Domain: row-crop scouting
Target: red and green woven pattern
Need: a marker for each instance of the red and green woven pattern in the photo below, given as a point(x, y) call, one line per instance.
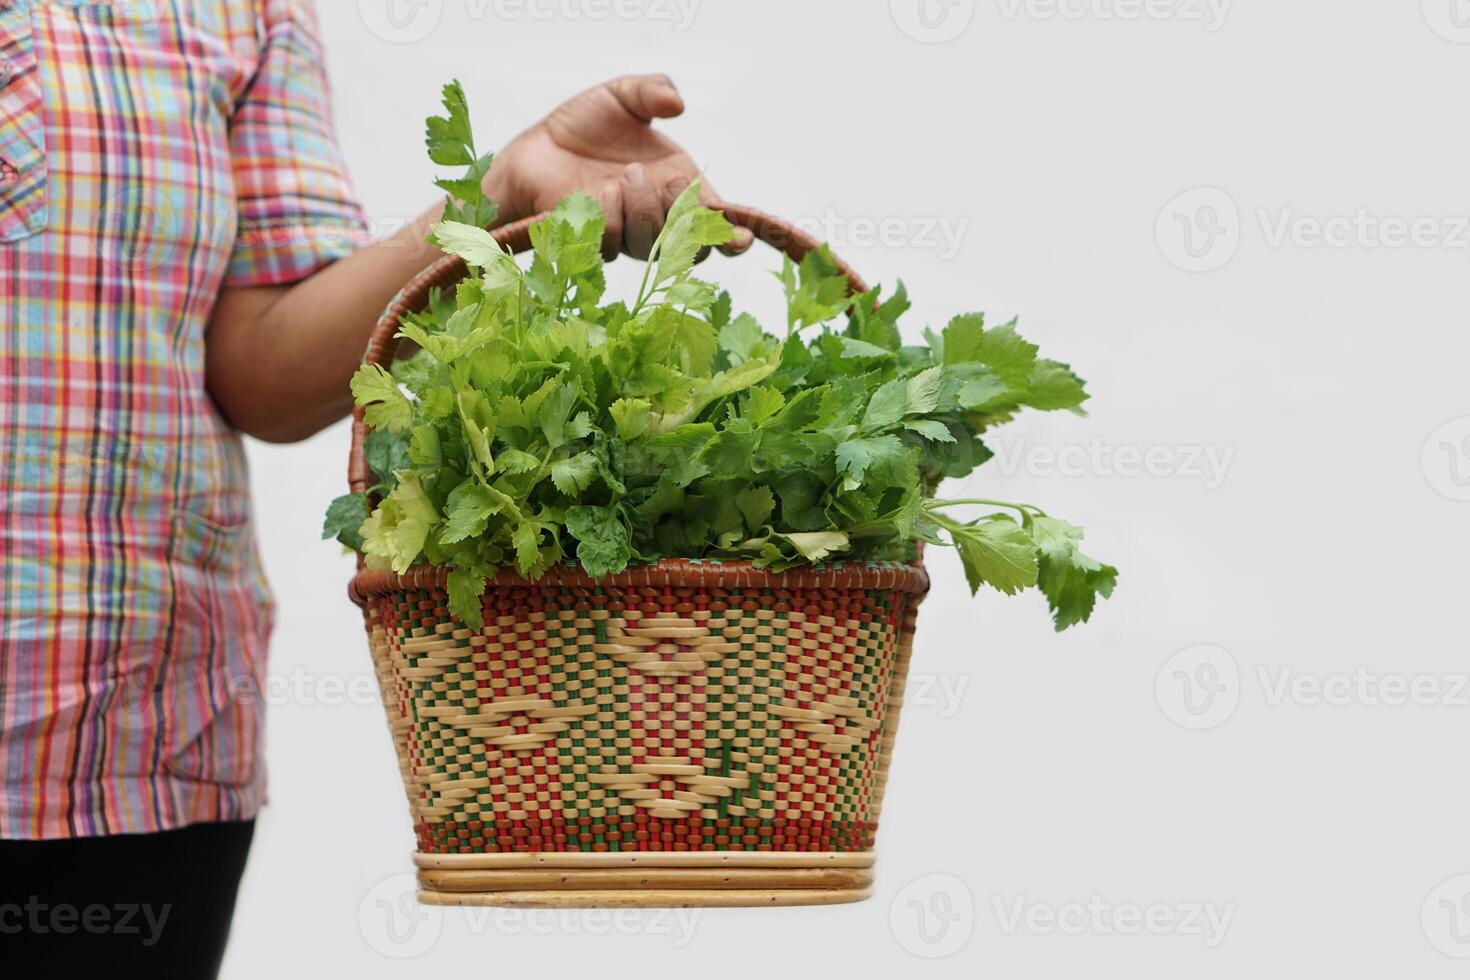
point(658, 717)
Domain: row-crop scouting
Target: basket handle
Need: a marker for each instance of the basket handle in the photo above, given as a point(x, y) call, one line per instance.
point(383, 345)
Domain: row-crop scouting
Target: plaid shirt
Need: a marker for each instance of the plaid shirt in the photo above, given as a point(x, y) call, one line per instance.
point(152, 152)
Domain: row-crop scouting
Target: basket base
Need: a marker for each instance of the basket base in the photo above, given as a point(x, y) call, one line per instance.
point(649, 898)
point(710, 879)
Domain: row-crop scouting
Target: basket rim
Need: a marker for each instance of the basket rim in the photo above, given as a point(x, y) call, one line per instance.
point(912, 579)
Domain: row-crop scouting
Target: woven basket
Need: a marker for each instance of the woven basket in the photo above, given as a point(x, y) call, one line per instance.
point(687, 733)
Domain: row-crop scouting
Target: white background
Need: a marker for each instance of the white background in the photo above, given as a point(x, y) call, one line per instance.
point(1057, 141)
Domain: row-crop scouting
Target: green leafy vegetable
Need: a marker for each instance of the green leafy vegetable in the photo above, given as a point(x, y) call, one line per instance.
point(345, 517)
point(540, 423)
point(451, 143)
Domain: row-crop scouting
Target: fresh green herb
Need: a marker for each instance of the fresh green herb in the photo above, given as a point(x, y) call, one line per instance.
point(539, 423)
point(451, 143)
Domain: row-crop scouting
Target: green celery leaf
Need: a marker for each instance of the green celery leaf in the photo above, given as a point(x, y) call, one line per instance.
point(465, 588)
point(740, 336)
point(1000, 349)
point(387, 406)
point(997, 553)
point(632, 416)
point(345, 518)
point(387, 452)
point(526, 539)
point(475, 245)
point(425, 448)
point(764, 404)
point(555, 414)
point(470, 508)
point(1053, 386)
point(852, 347)
point(680, 450)
point(887, 406)
point(816, 290)
point(931, 429)
point(394, 534)
point(517, 462)
point(449, 137)
point(1071, 580)
point(857, 458)
point(575, 474)
point(728, 454)
point(604, 546)
point(756, 505)
point(818, 546)
point(924, 390)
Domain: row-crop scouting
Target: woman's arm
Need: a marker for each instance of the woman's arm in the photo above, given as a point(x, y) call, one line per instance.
point(278, 359)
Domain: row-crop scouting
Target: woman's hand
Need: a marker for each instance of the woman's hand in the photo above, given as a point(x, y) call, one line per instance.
point(603, 142)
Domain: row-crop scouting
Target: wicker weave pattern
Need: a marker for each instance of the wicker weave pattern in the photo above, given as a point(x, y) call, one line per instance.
point(649, 717)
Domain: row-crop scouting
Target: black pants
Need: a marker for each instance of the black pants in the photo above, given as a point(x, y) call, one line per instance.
point(153, 906)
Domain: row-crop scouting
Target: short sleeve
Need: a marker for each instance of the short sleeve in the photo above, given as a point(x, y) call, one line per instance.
point(297, 209)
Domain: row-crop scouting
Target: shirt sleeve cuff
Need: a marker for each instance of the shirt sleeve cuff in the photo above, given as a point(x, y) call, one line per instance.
point(279, 254)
